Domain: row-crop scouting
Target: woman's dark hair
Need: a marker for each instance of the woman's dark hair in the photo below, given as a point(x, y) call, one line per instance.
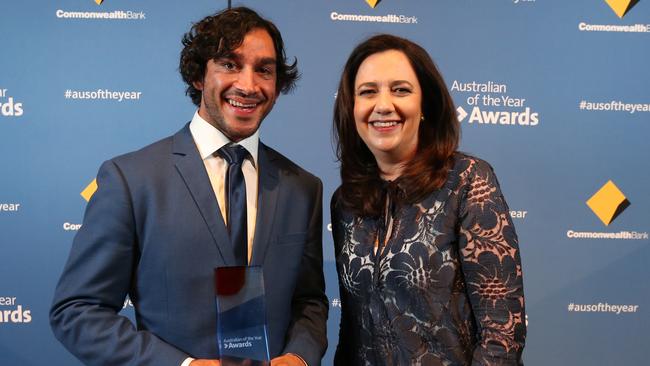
point(362, 188)
point(218, 35)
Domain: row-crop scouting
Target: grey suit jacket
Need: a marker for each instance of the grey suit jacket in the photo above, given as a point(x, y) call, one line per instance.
point(153, 230)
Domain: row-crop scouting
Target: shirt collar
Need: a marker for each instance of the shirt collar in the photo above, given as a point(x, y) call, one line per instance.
point(208, 139)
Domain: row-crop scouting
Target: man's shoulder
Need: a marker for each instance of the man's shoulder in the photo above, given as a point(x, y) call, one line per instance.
point(155, 151)
point(154, 161)
point(286, 166)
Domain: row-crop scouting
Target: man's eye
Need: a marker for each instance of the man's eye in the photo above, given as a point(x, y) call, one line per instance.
point(228, 65)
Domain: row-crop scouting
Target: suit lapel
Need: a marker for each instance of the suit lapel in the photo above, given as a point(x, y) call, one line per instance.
point(191, 168)
point(267, 198)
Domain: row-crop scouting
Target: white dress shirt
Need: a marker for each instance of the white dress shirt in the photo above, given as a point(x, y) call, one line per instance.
point(208, 140)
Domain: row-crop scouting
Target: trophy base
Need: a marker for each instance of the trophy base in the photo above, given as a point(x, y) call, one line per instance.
point(236, 361)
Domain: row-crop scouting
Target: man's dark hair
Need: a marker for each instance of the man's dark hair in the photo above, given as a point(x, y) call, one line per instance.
point(438, 135)
point(218, 35)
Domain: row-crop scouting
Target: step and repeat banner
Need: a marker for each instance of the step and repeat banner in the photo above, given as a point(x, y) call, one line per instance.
point(554, 94)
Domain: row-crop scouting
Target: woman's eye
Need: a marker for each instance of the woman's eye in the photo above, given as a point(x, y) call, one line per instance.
point(366, 92)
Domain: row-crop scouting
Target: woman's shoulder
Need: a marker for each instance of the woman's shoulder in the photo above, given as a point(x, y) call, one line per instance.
point(335, 201)
point(468, 171)
point(337, 209)
point(467, 166)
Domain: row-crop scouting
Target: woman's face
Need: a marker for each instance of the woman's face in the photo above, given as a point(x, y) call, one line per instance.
point(387, 106)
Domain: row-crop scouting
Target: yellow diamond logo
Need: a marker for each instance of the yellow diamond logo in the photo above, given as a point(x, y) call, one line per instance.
point(99, 2)
point(608, 202)
point(88, 192)
point(621, 7)
point(373, 3)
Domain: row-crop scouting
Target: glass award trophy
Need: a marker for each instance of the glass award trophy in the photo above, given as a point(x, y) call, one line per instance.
point(241, 316)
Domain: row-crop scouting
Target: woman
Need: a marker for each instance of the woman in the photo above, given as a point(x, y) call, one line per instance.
point(426, 253)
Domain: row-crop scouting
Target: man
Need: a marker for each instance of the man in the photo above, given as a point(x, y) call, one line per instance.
point(159, 222)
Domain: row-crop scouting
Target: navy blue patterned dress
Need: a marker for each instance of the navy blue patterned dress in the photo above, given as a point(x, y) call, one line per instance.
point(445, 289)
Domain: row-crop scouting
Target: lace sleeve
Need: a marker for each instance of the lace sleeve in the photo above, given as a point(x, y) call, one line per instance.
point(491, 267)
point(343, 352)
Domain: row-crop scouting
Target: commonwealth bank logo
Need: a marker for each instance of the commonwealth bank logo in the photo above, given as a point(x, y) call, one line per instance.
point(621, 7)
point(90, 189)
point(608, 203)
point(374, 3)
point(99, 2)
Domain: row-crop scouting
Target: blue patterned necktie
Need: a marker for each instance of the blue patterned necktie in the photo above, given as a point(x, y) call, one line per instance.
point(236, 201)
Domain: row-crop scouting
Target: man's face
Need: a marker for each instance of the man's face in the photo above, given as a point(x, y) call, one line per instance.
point(239, 89)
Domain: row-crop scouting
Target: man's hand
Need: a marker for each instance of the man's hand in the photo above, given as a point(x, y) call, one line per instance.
point(205, 363)
point(287, 360)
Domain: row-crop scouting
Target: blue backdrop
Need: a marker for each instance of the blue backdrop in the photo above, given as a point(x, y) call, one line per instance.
point(554, 94)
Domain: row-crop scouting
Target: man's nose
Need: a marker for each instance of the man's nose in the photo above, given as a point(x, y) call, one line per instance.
point(246, 81)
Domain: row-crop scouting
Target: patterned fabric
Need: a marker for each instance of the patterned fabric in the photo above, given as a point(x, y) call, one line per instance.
point(446, 289)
